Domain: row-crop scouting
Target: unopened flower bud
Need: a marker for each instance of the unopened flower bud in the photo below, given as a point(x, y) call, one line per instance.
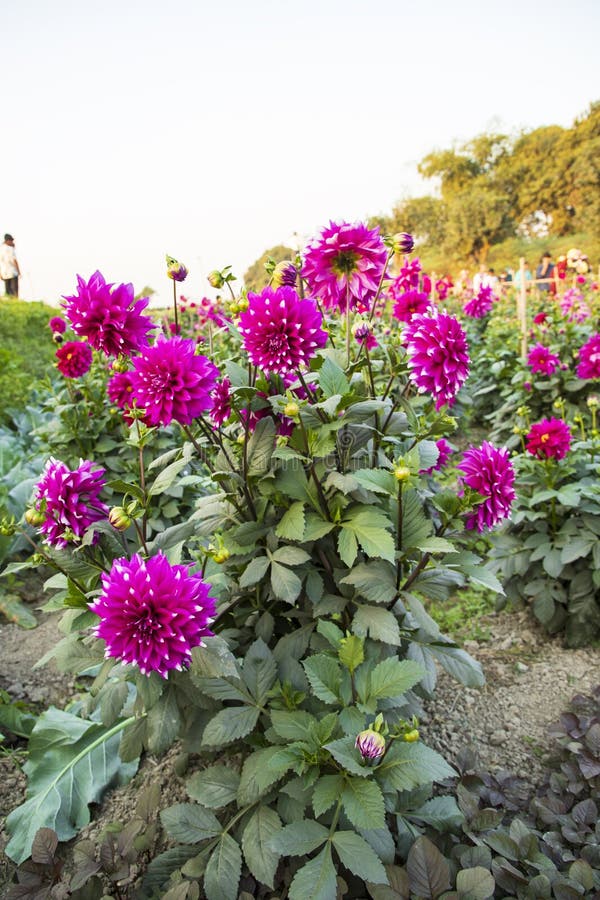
point(593, 401)
point(176, 271)
point(215, 279)
point(243, 304)
point(403, 242)
point(291, 409)
point(401, 472)
point(370, 744)
point(119, 519)
point(8, 526)
point(34, 517)
point(284, 273)
point(57, 337)
point(120, 364)
point(221, 556)
point(411, 736)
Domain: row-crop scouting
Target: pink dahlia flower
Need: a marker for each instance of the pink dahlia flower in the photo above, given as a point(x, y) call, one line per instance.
point(540, 318)
point(221, 397)
point(407, 279)
point(438, 356)
point(120, 389)
point(170, 381)
point(176, 271)
point(589, 358)
point(152, 613)
point(549, 438)
point(57, 325)
point(344, 264)
point(70, 501)
point(410, 303)
point(541, 361)
point(489, 471)
point(280, 332)
point(445, 451)
point(574, 307)
point(108, 316)
point(480, 305)
point(74, 359)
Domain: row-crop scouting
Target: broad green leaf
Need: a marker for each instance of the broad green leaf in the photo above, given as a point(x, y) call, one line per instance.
point(260, 447)
point(575, 549)
point(14, 610)
point(189, 823)
point(213, 660)
point(442, 813)
point(327, 791)
point(229, 725)
point(332, 380)
point(260, 670)
point(416, 526)
point(291, 556)
point(296, 725)
point(70, 763)
point(215, 787)
point(359, 857)
point(114, 694)
point(254, 571)
point(164, 722)
point(330, 631)
point(375, 581)
point(435, 545)
point(406, 766)
point(347, 546)
point(299, 838)
point(260, 858)
point(363, 803)
point(165, 479)
point(380, 624)
point(393, 677)
point(291, 526)
point(345, 753)
point(160, 868)
point(477, 882)
point(285, 584)
point(316, 880)
point(316, 527)
point(459, 664)
point(380, 481)
point(222, 875)
point(325, 676)
point(482, 575)
point(16, 720)
point(257, 777)
point(351, 652)
point(369, 526)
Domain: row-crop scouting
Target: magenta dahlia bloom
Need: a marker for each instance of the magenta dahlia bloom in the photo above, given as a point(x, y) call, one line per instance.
point(574, 307)
point(57, 325)
point(541, 361)
point(445, 451)
point(176, 271)
point(152, 614)
point(120, 389)
point(488, 471)
point(74, 359)
point(410, 303)
point(108, 316)
point(589, 359)
point(549, 438)
point(344, 264)
point(70, 501)
point(407, 279)
point(221, 397)
point(363, 333)
point(438, 355)
point(480, 305)
point(170, 381)
point(280, 332)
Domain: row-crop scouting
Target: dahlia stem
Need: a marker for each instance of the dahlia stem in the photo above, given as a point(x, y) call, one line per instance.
point(52, 562)
point(387, 262)
point(175, 307)
point(370, 369)
point(347, 325)
point(399, 525)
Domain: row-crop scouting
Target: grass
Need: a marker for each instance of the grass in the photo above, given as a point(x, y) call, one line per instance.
point(461, 615)
point(26, 351)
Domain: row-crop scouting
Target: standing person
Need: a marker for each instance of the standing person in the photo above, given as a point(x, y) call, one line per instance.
point(544, 274)
point(9, 266)
point(517, 276)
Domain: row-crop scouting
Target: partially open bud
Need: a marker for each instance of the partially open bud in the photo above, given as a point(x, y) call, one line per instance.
point(35, 517)
point(291, 409)
point(371, 744)
point(176, 270)
point(593, 401)
point(403, 242)
point(215, 279)
point(57, 337)
point(119, 519)
point(284, 273)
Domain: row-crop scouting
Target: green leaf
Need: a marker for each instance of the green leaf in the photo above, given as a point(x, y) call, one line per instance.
point(16, 720)
point(14, 610)
point(375, 581)
point(369, 526)
point(347, 546)
point(164, 721)
point(380, 624)
point(316, 527)
point(325, 677)
point(351, 652)
point(291, 526)
point(327, 790)
point(299, 838)
point(407, 766)
point(435, 545)
point(224, 868)
point(229, 725)
point(296, 725)
point(442, 813)
point(260, 670)
point(393, 677)
point(330, 631)
point(482, 575)
point(114, 695)
point(416, 526)
point(215, 787)
point(363, 803)
point(213, 660)
point(257, 777)
point(189, 823)
point(428, 871)
point(477, 882)
point(254, 571)
point(260, 858)
point(161, 867)
point(380, 481)
point(576, 548)
point(260, 447)
point(165, 479)
point(332, 380)
point(459, 664)
point(285, 584)
point(71, 761)
point(345, 753)
point(359, 857)
point(316, 880)
point(291, 556)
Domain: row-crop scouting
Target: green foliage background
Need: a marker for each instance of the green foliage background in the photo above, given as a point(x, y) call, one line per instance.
point(26, 352)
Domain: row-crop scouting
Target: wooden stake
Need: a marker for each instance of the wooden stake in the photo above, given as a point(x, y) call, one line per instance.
point(522, 308)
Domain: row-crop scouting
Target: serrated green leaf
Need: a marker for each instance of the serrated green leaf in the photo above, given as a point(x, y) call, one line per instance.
point(442, 813)
point(316, 880)
point(163, 722)
point(332, 380)
point(291, 556)
point(14, 610)
point(299, 838)
point(260, 857)
point(229, 725)
point(291, 526)
point(215, 787)
point(296, 725)
point(189, 823)
point(359, 857)
point(481, 575)
point(325, 677)
point(375, 581)
point(393, 677)
point(346, 754)
point(330, 631)
point(363, 803)
point(260, 670)
point(380, 481)
point(327, 790)
point(254, 571)
point(459, 664)
point(369, 526)
point(347, 545)
point(165, 479)
point(435, 545)
point(351, 652)
point(260, 447)
point(406, 766)
point(285, 584)
point(380, 624)
point(257, 777)
point(222, 875)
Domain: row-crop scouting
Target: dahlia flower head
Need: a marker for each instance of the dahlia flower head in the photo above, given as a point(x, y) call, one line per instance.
point(74, 359)
point(57, 325)
point(171, 382)
point(221, 400)
point(589, 359)
point(445, 451)
point(363, 334)
point(345, 264)
point(279, 331)
point(152, 614)
point(407, 279)
point(108, 316)
point(549, 439)
point(69, 500)
point(574, 307)
point(438, 356)
point(541, 361)
point(480, 305)
point(410, 303)
point(176, 271)
point(489, 471)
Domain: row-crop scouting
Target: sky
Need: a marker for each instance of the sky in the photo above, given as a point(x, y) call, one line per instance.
point(212, 131)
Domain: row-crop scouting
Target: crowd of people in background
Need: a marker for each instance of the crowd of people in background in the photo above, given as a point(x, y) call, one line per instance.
point(546, 278)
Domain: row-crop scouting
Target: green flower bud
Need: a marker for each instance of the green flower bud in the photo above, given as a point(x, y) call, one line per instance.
point(35, 517)
point(291, 410)
point(215, 279)
point(119, 519)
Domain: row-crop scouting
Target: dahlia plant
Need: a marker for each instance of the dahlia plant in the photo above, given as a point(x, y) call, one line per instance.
point(278, 626)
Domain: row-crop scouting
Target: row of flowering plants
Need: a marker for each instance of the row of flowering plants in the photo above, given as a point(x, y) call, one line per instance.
point(276, 626)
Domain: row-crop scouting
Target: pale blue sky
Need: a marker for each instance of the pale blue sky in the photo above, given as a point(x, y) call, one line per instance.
point(211, 131)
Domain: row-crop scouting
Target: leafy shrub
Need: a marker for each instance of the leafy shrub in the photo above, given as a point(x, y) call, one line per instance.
point(26, 353)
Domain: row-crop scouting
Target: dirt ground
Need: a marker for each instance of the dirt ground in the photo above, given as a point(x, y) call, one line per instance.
point(530, 680)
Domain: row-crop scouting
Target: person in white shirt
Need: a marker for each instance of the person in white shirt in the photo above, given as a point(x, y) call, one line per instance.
point(9, 266)
point(481, 279)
